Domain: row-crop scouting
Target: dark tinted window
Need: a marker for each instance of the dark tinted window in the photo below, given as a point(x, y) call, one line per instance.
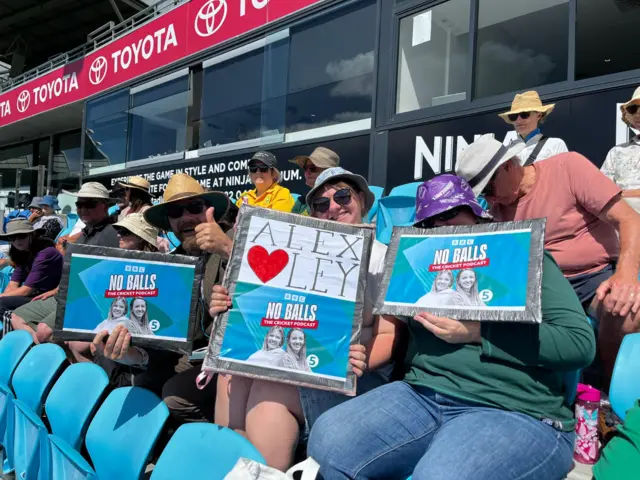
point(106, 133)
point(331, 68)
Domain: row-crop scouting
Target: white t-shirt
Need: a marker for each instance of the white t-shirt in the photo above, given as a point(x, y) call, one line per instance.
point(553, 146)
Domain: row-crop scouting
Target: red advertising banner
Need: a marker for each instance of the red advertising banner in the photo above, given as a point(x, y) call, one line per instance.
point(180, 33)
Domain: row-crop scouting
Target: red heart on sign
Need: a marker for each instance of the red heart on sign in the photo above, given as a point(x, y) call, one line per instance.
point(267, 266)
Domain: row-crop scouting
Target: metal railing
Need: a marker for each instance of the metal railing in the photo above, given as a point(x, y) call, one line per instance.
point(94, 43)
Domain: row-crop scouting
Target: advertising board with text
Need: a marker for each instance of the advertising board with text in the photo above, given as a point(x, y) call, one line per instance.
point(297, 288)
point(489, 272)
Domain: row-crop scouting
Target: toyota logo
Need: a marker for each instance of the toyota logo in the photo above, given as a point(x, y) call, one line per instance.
point(210, 17)
point(24, 99)
point(98, 70)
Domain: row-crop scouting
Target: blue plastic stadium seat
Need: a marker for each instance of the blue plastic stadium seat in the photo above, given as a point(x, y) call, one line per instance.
point(406, 190)
point(203, 451)
point(119, 440)
point(377, 193)
point(31, 382)
point(398, 211)
point(625, 381)
point(13, 347)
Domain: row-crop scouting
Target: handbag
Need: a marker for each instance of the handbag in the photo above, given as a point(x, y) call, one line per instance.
point(246, 469)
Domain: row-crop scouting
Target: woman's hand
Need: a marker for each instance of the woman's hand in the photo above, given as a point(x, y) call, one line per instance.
point(117, 346)
point(358, 359)
point(220, 300)
point(449, 330)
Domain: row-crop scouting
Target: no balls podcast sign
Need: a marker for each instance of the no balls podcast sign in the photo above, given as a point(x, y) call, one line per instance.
point(296, 288)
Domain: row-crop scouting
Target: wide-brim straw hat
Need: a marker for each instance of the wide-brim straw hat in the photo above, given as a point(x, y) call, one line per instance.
point(138, 183)
point(527, 102)
point(321, 157)
point(336, 174)
point(94, 191)
point(19, 226)
point(136, 224)
point(482, 158)
point(635, 100)
point(181, 187)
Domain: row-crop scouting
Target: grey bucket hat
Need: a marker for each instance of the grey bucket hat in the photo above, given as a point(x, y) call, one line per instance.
point(19, 226)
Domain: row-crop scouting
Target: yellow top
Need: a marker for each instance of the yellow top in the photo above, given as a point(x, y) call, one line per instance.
point(276, 197)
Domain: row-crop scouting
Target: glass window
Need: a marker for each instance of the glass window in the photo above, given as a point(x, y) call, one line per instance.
point(158, 117)
point(66, 156)
point(106, 130)
point(18, 156)
point(521, 44)
point(331, 68)
point(433, 50)
point(243, 97)
point(606, 37)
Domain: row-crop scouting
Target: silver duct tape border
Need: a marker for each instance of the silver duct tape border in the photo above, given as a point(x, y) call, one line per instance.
point(532, 312)
point(213, 362)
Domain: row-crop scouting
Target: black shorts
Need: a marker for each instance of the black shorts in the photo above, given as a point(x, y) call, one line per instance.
point(586, 285)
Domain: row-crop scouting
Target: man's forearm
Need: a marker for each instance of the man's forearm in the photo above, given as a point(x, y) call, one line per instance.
point(635, 193)
point(629, 260)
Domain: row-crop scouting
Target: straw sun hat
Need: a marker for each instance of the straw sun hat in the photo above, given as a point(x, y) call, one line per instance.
point(136, 224)
point(635, 100)
point(527, 102)
point(138, 183)
point(181, 187)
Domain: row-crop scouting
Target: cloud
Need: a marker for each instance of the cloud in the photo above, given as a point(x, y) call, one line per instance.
point(523, 62)
point(352, 76)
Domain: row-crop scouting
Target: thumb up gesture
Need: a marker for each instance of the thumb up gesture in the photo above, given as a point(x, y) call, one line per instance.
point(210, 237)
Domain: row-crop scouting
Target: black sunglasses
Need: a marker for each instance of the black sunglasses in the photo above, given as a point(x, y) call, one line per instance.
point(311, 168)
point(441, 217)
point(123, 232)
point(88, 204)
point(18, 236)
point(176, 211)
point(342, 197)
point(259, 168)
point(514, 116)
point(632, 109)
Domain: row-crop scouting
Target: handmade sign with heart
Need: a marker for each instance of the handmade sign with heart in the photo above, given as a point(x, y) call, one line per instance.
point(265, 265)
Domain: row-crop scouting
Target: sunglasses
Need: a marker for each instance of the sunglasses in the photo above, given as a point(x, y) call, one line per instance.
point(514, 116)
point(88, 204)
point(259, 168)
point(341, 197)
point(18, 236)
point(441, 217)
point(176, 211)
point(311, 168)
point(123, 232)
point(632, 109)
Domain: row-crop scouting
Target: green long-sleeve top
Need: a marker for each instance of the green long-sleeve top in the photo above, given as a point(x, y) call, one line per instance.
point(517, 367)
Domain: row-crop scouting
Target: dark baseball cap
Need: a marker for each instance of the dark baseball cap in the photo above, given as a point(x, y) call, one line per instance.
point(268, 158)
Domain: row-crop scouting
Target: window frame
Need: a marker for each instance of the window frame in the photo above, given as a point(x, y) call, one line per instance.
point(387, 117)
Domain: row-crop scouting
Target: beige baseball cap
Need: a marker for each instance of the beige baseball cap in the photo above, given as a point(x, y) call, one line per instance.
point(322, 157)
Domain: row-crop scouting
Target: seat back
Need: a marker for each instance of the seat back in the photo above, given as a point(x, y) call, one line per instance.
point(203, 451)
point(36, 373)
point(295, 196)
point(74, 399)
point(377, 193)
point(625, 381)
point(406, 190)
point(124, 431)
point(13, 347)
point(398, 211)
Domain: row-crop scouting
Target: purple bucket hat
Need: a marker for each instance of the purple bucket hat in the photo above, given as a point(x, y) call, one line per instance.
point(443, 193)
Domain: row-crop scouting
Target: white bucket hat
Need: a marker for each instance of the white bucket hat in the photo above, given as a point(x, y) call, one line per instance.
point(92, 190)
point(336, 174)
point(136, 224)
point(482, 158)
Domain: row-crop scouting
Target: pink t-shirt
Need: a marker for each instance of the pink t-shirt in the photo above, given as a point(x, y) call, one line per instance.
point(571, 192)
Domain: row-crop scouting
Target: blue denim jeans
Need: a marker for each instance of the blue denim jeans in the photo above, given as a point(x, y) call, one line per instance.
point(397, 430)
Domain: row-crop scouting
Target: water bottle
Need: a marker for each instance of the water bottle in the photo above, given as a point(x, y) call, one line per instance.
point(587, 449)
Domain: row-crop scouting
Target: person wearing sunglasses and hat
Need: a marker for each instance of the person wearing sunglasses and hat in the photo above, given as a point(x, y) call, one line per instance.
point(134, 196)
point(256, 406)
point(592, 233)
point(51, 223)
point(526, 114)
point(38, 265)
point(622, 164)
point(203, 222)
point(313, 165)
point(480, 400)
point(264, 174)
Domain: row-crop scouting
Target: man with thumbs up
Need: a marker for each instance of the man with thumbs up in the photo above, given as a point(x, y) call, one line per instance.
point(200, 220)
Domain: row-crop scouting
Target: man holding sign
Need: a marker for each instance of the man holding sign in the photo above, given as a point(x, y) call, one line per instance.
point(480, 400)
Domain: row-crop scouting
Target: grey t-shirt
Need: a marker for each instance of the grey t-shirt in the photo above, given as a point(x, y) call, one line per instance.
point(103, 235)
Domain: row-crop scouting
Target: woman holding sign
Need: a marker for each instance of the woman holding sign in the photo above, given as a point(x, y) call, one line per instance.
point(274, 416)
point(480, 400)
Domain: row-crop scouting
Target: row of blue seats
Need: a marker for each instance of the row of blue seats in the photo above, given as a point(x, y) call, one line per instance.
point(119, 431)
